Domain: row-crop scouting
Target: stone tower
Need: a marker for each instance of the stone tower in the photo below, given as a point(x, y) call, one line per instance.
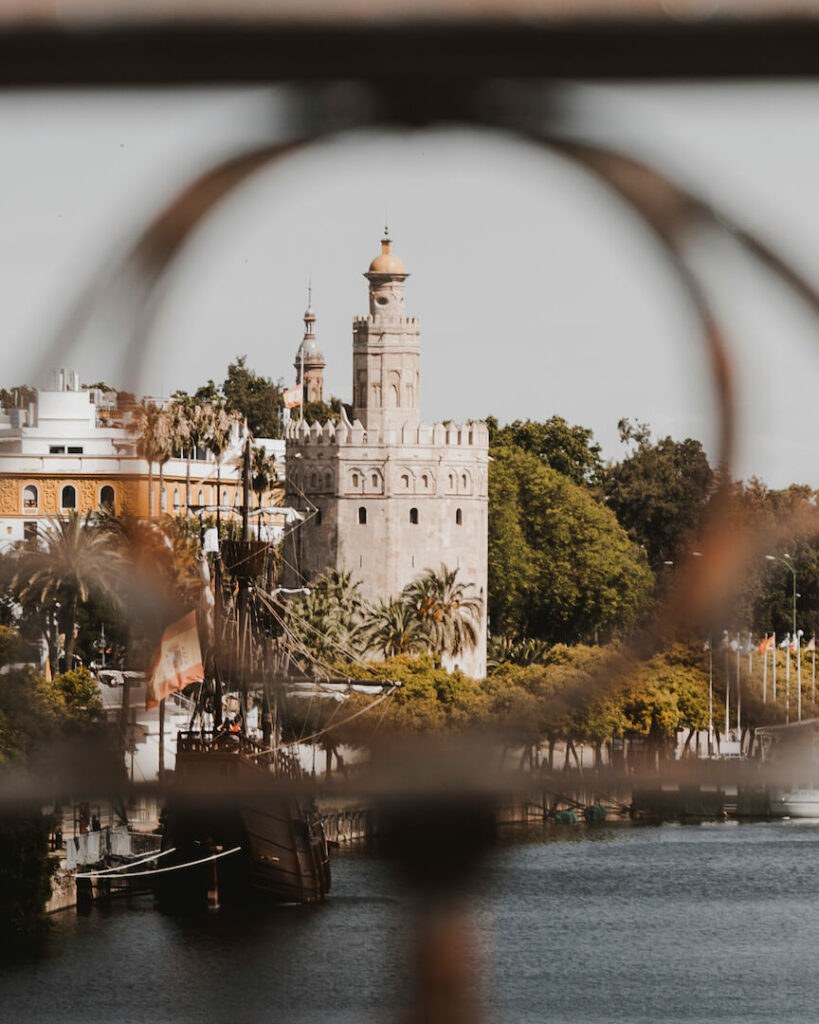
point(310, 357)
point(385, 496)
point(386, 350)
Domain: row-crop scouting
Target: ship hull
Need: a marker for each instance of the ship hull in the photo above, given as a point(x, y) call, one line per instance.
point(223, 799)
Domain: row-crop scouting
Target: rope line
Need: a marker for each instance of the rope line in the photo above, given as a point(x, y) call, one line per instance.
point(174, 867)
point(130, 864)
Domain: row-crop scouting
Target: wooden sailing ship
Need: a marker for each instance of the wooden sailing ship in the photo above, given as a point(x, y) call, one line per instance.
point(239, 812)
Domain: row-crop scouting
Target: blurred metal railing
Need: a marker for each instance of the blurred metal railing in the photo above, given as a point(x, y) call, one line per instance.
point(502, 72)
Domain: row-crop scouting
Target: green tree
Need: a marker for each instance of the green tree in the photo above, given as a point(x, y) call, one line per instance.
point(321, 412)
point(149, 426)
point(560, 566)
point(569, 450)
point(74, 560)
point(660, 492)
point(323, 625)
point(257, 399)
point(19, 397)
point(445, 610)
point(393, 628)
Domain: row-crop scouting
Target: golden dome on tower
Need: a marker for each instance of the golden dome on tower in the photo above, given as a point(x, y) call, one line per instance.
point(387, 262)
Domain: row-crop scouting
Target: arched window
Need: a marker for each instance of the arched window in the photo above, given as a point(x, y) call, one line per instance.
point(318, 517)
point(362, 515)
point(459, 517)
point(328, 481)
point(314, 481)
point(107, 500)
point(355, 479)
point(414, 516)
point(176, 499)
point(375, 479)
point(463, 480)
point(68, 497)
point(405, 481)
point(425, 480)
point(451, 482)
point(31, 497)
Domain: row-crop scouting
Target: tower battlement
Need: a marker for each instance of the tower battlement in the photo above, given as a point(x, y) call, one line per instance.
point(473, 435)
point(369, 320)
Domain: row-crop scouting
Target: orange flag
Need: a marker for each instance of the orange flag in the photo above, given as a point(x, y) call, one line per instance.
point(178, 663)
point(766, 645)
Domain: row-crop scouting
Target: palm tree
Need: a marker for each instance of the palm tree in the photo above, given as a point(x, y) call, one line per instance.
point(179, 432)
point(263, 470)
point(219, 429)
point(394, 628)
point(148, 424)
point(193, 419)
point(446, 612)
point(325, 624)
point(74, 561)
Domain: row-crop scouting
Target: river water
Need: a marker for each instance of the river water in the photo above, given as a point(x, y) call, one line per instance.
point(716, 922)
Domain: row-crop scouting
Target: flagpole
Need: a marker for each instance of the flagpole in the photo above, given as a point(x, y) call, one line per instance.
point(710, 698)
point(799, 675)
point(773, 668)
point(787, 678)
point(301, 404)
point(162, 740)
point(739, 698)
point(727, 693)
point(765, 673)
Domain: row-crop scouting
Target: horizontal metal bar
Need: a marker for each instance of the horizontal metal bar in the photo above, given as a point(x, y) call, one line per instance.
point(214, 52)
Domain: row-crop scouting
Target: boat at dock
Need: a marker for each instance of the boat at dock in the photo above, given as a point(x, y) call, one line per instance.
point(797, 803)
point(231, 792)
point(240, 819)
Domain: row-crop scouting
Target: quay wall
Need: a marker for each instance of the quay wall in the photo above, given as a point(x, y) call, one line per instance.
point(63, 893)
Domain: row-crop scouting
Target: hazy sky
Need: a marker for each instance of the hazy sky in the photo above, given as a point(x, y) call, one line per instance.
point(538, 294)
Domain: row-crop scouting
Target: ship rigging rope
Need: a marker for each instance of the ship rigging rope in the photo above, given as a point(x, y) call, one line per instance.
point(330, 724)
point(174, 867)
point(334, 725)
point(130, 864)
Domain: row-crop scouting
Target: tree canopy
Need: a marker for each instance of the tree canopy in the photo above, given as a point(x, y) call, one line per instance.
point(569, 450)
point(659, 492)
point(257, 398)
point(560, 566)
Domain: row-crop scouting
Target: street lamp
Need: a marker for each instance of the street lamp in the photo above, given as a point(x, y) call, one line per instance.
point(786, 560)
point(795, 638)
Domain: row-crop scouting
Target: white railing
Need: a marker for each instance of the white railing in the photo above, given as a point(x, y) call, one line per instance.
point(95, 847)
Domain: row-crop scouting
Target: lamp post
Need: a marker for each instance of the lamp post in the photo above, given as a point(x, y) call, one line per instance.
point(796, 638)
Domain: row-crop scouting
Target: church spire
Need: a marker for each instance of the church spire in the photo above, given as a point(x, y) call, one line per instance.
point(309, 357)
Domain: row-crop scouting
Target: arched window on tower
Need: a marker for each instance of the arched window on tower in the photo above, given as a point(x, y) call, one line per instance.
point(425, 481)
point(362, 516)
point(31, 497)
point(414, 516)
point(459, 517)
point(405, 481)
point(68, 497)
point(375, 479)
point(355, 479)
point(107, 499)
